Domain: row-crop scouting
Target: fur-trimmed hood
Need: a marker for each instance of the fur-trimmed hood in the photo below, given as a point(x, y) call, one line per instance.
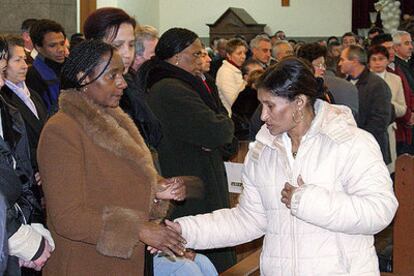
point(113, 130)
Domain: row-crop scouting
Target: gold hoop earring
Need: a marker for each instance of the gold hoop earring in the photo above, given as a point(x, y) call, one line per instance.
point(295, 118)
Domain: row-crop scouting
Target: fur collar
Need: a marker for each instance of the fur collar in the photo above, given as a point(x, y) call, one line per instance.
point(113, 130)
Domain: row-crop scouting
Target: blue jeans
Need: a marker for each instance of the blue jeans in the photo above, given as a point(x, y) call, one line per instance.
point(201, 266)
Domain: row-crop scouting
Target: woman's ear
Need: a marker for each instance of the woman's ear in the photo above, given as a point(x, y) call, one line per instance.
point(80, 75)
point(301, 101)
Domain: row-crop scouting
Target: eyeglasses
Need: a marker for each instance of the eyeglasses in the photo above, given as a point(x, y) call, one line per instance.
point(319, 66)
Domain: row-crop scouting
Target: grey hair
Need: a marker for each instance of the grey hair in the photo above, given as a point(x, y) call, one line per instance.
point(396, 37)
point(220, 41)
point(254, 43)
point(358, 53)
point(144, 33)
point(275, 47)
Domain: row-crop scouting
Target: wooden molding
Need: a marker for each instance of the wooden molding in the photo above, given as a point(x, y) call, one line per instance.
point(285, 3)
point(86, 8)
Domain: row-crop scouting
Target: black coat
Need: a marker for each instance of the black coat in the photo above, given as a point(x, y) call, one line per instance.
point(407, 69)
point(33, 124)
point(242, 110)
point(15, 183)
point(212, 99)
point(3, 236)
point(193, 137)
point(375, 109)
point(133, 103)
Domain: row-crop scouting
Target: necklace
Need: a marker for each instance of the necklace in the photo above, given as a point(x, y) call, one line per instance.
point(294, 154)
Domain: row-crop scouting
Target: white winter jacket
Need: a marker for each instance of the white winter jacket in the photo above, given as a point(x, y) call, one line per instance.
point(347, 197)
point(230, 83)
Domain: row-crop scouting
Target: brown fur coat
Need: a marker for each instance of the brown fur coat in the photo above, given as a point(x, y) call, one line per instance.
point(99, 182)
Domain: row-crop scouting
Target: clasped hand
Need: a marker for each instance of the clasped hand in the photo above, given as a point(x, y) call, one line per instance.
point(288, 191)
point(174, 189)
point(39, 262)
point(163, 238)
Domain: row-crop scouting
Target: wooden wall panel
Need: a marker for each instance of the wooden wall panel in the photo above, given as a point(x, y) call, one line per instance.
point(86, 8)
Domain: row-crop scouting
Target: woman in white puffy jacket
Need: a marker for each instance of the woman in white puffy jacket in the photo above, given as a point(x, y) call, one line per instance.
point(229, 79)
point(314, 184)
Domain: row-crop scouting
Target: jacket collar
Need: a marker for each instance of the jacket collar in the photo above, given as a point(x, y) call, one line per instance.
point(363, 77)
point(330, 120)
point(111, 129)
point(13, 126)
point(26, 113)
point(231, 66)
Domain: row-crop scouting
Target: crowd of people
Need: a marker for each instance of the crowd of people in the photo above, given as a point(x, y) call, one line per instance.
point(113, 142)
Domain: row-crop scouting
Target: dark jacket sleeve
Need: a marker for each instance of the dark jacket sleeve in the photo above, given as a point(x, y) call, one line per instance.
point(35, 82)
point(187, 117)
point(381, 111)
point(3, 235)
point(255, 123)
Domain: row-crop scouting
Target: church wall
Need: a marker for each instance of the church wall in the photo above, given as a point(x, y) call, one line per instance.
point(303, 18)
point(13, 12)
point(145, 11)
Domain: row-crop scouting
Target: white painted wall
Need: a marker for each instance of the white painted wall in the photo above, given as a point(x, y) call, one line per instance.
point(303, 18)
point(145, 11)
point(106, 3)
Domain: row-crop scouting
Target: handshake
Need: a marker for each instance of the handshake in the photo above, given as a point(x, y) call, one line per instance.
point(165, 237)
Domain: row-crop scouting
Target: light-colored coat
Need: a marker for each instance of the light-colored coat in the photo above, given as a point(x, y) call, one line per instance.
point(400, 107)
point(347, 197)
point(99, 182)
point(230, 83)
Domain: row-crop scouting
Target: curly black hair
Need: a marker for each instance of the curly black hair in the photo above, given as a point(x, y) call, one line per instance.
point(43, 26)
point(83, 59)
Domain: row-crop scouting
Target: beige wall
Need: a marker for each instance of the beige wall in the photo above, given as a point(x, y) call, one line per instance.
point(303, 18)
point(145, 11)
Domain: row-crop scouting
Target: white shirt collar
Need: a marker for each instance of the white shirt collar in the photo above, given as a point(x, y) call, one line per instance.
point(382, 74)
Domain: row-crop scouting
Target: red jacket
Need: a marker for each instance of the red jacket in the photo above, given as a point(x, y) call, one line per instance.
point(404, 132)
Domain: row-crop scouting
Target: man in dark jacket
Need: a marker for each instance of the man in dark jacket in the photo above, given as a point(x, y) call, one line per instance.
point(44, 76)
point(403, 47)
point(374, 96)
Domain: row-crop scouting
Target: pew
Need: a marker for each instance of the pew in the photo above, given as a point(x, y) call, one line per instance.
point(403, 228)
point(403, 232)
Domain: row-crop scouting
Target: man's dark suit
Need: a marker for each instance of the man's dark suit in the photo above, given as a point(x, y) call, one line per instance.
point(375, 109)
point(406, 68)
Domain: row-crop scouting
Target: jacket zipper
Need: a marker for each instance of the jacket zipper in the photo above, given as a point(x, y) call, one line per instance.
point(292, 224)
point(293, 247)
